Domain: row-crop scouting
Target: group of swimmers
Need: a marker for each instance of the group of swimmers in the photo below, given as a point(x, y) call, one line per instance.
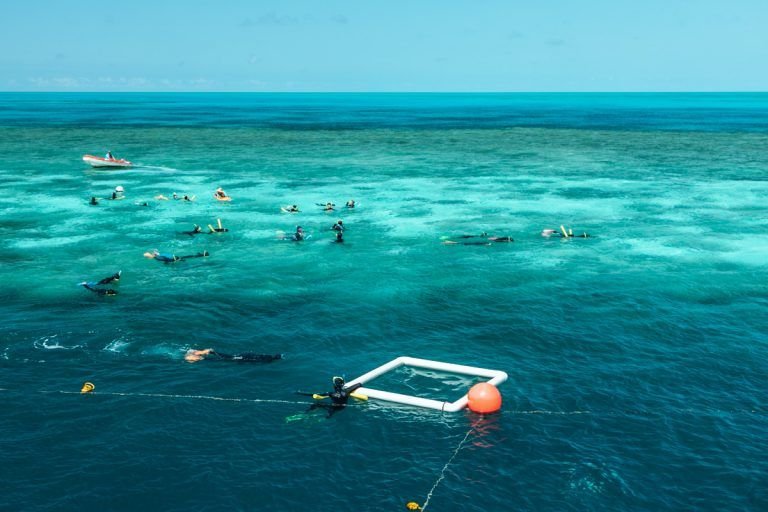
point(119, 193)
point(486, 239)
point(339, 395)
point(327, 207)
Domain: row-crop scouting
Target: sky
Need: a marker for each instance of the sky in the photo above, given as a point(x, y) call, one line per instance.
point(384, 46)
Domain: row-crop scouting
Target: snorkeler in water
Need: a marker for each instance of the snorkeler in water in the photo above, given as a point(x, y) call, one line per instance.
point(119, 193)
point(193, 356)
point(481, 235)
point(339, 396)
point(172, 258)
point(92, 286)
point(197, 230)
point(113, 277)
point(220, 229)
point(101, 291)
point(562, 233)
point(487, 240)
point(299, 235)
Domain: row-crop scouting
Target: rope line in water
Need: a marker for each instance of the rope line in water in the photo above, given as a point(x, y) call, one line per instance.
point(445, 468)
point(201, 397)
point(520, 412)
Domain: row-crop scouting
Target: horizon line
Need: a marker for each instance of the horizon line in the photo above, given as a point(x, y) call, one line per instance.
point(383, 92)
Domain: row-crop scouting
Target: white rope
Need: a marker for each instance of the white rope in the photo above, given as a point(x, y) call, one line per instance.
point(442, 472)
point(202, 397)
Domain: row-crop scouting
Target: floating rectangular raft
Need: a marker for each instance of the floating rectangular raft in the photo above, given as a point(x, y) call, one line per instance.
point(495, 377)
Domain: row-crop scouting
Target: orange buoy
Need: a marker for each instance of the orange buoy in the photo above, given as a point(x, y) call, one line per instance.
point(484, 398)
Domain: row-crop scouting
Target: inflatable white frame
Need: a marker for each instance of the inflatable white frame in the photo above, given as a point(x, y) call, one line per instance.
point(496, 377)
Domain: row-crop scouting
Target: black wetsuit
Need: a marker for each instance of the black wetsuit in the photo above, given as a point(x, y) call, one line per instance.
point(487, 240)
point(172, 258)
point(113, 277)
point(245, 357)
point(198, 255)
point(197, 231)
point(338, 227)
point(339, 398)
point(100, 291)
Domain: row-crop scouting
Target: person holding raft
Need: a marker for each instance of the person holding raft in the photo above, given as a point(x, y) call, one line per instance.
point(339, 396)
point(193, 356)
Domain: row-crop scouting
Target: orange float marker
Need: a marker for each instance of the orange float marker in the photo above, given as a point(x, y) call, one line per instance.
point(484, 398)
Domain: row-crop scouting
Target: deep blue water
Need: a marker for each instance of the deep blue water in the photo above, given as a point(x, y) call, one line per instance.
point(636, 358)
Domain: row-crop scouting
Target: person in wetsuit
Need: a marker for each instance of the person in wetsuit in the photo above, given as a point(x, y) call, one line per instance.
point(192, 356)
point(339, 237)
point(94, 201)
point(299, 235)
point(172, 258)
point(100, 291)
point(90, 285)
point(547, 233)
point(339, 396)
point(113, 277)
point(487, 240)
point(195, 231)
point(339, 226)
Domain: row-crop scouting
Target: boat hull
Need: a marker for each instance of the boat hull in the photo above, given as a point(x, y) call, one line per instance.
point(97, 161)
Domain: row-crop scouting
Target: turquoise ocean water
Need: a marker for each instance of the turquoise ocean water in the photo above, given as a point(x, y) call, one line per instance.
point(637, 359)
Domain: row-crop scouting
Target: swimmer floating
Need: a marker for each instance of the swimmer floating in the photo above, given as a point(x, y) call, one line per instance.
point(92, 286)
point(193, 356)
point(562, 233)
point(485, 239)
point(172, 258)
